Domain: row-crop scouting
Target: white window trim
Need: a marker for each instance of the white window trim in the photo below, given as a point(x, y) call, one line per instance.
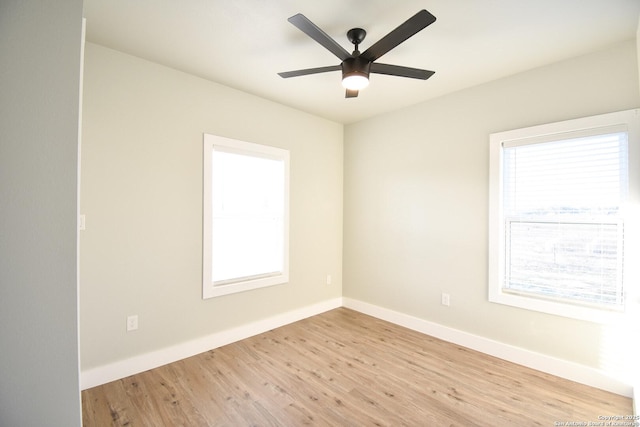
point(209, 288)
point(630, 119)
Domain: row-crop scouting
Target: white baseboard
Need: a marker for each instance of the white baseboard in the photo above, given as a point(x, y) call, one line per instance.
point(554, 366)
point(558, 367)
point(133, 365)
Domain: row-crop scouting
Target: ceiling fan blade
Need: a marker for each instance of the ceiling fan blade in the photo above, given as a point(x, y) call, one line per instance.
point(395, 70)
point(296, 73)
point(351, 93)
point(410, 27)
point(313, 31)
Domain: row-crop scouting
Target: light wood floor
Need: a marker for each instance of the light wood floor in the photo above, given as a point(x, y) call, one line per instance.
point(343, 368)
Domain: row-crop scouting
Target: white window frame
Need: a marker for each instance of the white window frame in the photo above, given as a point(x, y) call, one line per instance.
point(629, 120)
point(209, 287)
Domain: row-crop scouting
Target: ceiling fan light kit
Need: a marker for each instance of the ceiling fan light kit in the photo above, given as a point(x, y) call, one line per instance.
point(355, 73)
point(355, 81)
point(357, 66)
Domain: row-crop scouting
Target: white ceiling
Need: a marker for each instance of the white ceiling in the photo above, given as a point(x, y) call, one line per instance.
point(244, 43)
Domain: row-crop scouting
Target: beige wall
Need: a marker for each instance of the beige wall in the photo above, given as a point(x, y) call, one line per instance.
point(416, 202)
point(40, 58)
point(142, 196)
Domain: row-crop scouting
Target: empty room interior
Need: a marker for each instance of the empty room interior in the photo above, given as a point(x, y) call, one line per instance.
point(216, 244)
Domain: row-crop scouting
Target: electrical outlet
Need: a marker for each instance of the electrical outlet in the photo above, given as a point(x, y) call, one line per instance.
point(446, 299)
point(328, 279)
point(132, 323)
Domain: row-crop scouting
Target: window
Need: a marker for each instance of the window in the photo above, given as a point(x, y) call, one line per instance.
point(246, 216)
point(559, 216)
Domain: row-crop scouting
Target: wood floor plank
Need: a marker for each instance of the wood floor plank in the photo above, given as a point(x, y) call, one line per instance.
point(343, 368)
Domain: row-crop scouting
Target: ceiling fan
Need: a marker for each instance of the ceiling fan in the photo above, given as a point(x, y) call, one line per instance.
point(357, 66)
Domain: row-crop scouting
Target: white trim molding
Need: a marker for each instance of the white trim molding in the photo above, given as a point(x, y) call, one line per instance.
point(134, 365)
point(551, 365)
point(554, 366)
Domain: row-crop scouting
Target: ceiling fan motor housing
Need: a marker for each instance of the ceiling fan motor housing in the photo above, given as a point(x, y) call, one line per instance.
point(357, 66)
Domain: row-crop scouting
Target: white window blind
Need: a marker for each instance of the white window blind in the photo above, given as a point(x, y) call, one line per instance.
point(562, 204)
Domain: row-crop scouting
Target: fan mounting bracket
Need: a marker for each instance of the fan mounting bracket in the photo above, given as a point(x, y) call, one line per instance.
point(356, 35)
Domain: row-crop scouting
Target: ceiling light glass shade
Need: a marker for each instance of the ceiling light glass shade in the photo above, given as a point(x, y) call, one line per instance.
point(355, 81)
